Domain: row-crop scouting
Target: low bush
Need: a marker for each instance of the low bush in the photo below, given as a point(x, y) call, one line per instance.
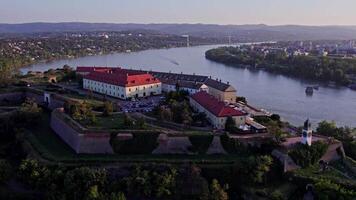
point(305, 155)
point(232, 146)
point(141, 143)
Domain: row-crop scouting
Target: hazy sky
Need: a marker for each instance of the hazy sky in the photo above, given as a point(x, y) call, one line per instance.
point(273, 12)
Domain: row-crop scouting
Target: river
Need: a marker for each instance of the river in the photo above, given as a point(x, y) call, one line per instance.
point(275, 93)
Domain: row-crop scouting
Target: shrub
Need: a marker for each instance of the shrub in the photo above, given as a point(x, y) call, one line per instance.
point(305, 155)
point(201, 143)
point(108, 108)
point(232, 146)
point(141, 143)
point(5, 170)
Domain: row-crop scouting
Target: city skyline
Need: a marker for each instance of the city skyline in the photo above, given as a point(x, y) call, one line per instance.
point(271, 12)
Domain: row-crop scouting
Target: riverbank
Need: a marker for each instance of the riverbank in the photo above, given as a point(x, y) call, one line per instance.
point(331, 71)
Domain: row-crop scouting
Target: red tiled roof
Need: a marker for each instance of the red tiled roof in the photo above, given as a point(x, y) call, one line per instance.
point(121, 77)
point(213, 105)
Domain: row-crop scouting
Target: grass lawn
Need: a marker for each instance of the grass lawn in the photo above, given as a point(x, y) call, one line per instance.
point(115, 121)
point(92, 102)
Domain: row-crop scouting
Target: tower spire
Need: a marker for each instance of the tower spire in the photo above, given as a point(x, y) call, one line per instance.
point(307, 133)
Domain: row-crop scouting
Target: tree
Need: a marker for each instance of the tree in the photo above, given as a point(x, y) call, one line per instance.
point(6, 73)
point(108, 108)
point(325, 189)
point(128, 121)
point(117, 196)
point(275, 117)
point(260, 165)
point(84, 183)
point(165, 114)
point(141, 123)
point(241, 99)
point(276, 195)
point(217, 192)
point(5, 170)
point(305, 155)
point(34, 173)
point(139, 182)
point(230, 124)
point(30, 112)
point(165, 183)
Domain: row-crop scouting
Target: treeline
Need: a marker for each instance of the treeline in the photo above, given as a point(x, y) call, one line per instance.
point(307, 67)
point(22, 51)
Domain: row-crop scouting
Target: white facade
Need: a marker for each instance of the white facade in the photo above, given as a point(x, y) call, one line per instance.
point(172, 88)
point(122, 92)
point(307, 135)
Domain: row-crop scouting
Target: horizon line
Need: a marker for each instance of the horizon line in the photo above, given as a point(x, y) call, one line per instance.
point(176, 23)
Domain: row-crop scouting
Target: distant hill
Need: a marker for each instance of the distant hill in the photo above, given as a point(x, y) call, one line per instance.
point(259, 32)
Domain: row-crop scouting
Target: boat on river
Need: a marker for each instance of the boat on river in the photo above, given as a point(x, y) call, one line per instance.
point(309, 90)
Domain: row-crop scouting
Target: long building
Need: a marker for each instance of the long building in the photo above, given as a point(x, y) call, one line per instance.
point(216, 111)
point(222, 91)
point(120, 83)
point(169, 85)
point(189, 82)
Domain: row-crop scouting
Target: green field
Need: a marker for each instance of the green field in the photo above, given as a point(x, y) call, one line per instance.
point(115, 121)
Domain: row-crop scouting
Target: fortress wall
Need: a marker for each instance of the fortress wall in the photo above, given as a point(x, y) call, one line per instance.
point(98, 143)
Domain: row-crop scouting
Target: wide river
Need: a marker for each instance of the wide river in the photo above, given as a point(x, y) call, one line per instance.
point(275, 93)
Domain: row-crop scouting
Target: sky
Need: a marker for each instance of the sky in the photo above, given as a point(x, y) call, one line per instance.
point(271, 12)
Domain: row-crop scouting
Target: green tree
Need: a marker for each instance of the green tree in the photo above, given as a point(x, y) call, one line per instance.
point(325, 189)
point(117, 196)
point(217, 192)
point(241, 99)
point(305, 155)
point(230, 124)
point(35, 174)
point(6, 73)
point(82, 183)
point(165, 183)
point(5, 170)
point(259, 166)
point(276, 195)
point(108, 108)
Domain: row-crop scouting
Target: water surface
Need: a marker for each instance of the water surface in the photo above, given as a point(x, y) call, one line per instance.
point(276, 93)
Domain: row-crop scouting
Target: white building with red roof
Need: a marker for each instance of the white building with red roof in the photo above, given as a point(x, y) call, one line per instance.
point(216, 111)
point(120, 83)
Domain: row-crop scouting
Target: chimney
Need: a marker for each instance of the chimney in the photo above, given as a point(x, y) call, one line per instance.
point(220, 80)
point(228, 83)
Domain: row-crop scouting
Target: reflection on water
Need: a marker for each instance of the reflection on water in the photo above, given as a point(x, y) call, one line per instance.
point(283, 95)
